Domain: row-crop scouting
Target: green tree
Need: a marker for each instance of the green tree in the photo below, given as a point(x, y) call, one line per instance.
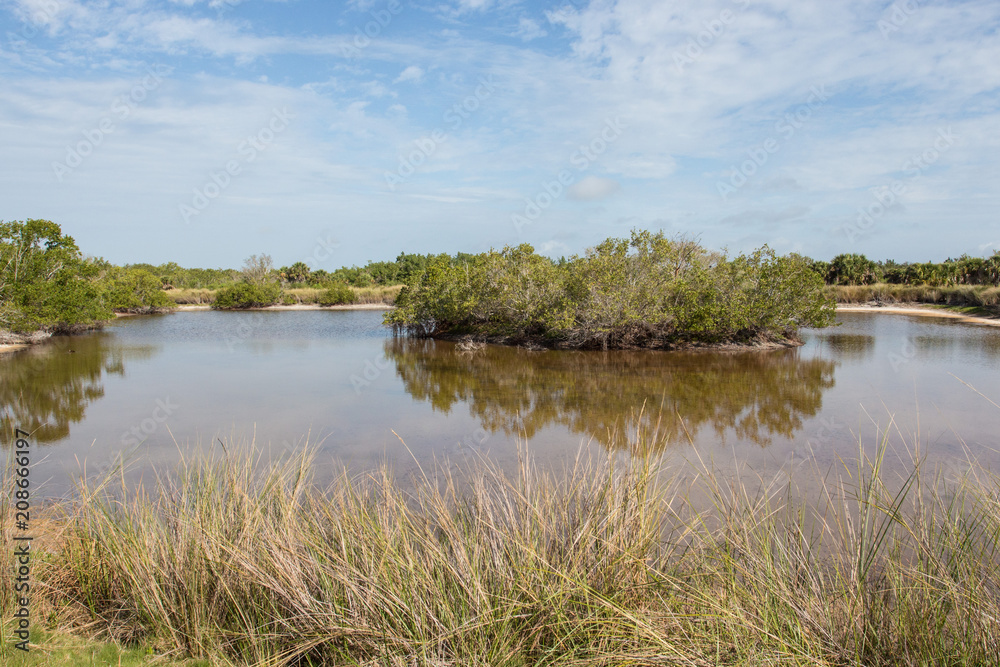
point(853, 269)
point(298, 272)
point(45, 284)
point(247, 295)
point(132, 290)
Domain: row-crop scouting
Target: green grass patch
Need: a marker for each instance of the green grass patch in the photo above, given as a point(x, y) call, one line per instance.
point(62, 649)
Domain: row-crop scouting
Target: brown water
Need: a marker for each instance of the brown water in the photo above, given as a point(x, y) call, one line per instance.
point(156, 387)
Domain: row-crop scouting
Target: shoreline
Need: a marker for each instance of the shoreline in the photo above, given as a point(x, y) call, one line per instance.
point(920, 310)
point(297, 306)
point(914, 309)
point(472, 342)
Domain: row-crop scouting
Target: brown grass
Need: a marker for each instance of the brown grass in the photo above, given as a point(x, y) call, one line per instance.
point(243, 562)
point(303, 295)
point(982, 296)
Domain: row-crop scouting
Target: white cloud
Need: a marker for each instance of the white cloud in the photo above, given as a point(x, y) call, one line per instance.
point(528, 30)
point(646, 166)
point(593, 188)
point(690, 116)
point(411, 73)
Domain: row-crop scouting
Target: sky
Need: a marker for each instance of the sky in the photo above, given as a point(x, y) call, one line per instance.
point(334, 133)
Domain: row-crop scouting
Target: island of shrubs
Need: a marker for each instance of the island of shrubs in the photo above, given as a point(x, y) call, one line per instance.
point(648, 291)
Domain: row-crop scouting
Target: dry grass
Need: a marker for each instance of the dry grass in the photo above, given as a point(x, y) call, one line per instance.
point(386, 295)
point(243, 562)
point(191, 296)
point(304, 295)
point(980, 296)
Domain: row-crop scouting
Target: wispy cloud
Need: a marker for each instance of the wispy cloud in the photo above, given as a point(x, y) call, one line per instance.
point(709, 91)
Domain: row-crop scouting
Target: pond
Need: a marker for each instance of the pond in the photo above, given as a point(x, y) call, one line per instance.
point(154, 388)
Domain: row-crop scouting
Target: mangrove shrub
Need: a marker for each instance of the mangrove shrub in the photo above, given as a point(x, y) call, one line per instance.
point(45, 284)
point(131, 290)
point(645, 291)
point(247, 295)
point(337, 294)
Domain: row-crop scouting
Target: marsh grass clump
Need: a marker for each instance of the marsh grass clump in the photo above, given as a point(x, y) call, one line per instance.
point(237, 560)
point(229, 562)
point(191, 296)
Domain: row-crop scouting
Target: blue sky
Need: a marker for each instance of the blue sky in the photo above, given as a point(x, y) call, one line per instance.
point(204, 131)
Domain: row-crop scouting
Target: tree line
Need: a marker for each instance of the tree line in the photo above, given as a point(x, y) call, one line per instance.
point(855, 269)
point(47, 284)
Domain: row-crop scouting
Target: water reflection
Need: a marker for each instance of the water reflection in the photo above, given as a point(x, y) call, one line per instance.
point(856, 347)
point(752, 395)
point(47, 387)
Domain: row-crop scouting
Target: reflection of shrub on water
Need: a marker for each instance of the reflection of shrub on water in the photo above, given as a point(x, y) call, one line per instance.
point(611, 396)
point(48, 387)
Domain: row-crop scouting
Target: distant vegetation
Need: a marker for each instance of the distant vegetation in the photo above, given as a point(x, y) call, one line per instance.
point(258, 286)
point(643, 291)
point(403, 269)
point(966, 281)
point(646, 291)
point(854, 269)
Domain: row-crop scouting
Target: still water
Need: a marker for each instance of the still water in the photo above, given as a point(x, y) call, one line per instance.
point(156, 388)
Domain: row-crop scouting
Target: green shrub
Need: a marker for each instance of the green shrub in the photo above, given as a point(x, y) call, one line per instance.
point(130, 290)
point(245, 295)
point(337, 294)
point(646, 291)
point(45, 284)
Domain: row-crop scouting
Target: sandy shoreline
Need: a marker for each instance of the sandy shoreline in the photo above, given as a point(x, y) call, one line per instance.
point(919, 310)
point(298, 306)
